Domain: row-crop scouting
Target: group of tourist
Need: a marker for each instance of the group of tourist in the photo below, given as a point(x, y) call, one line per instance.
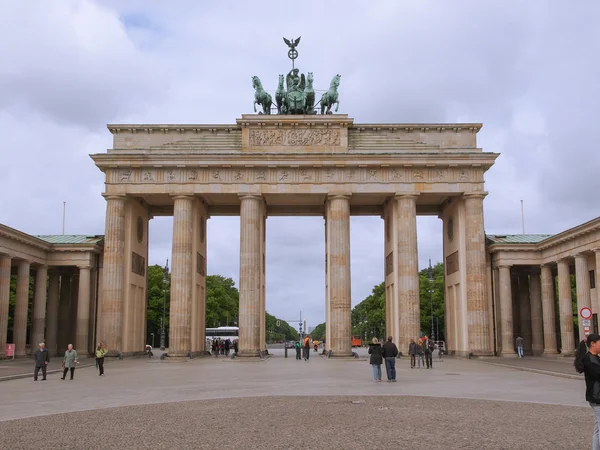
point(223, 346)
point(69, 361)
point(303, 348)
point(421, 352)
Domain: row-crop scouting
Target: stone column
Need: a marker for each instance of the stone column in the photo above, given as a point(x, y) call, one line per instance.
point(180, 315)
point(73, 309)
point(548, 310)
point(567, 336)
point(52, 312)
point(250, 274)
point(5, 262)
point(21, 308)
point(38, 320)
point(525, 308)
point(83, 311)
point(409, 308)
point(338, 221)
point(506, 311)
point(582, 281)
point(111, 308)
point(63, 312)
point(535, 298)
point(477, 301)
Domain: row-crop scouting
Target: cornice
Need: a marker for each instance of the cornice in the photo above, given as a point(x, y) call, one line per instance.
point(24, 238)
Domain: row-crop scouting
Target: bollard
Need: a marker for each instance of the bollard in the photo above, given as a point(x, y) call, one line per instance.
point(286, 349)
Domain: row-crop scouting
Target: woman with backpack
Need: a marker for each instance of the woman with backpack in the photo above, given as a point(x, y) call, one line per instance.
point(588, 363)
point(376, 352)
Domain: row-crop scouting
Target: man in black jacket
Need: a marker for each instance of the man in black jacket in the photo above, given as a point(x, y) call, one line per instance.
point(390, 351)
point(42, 358)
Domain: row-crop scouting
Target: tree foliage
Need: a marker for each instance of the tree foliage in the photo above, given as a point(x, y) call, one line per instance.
point(368, 317)
point(222, 306)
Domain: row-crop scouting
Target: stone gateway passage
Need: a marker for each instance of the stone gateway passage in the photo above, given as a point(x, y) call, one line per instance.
point(267, 165)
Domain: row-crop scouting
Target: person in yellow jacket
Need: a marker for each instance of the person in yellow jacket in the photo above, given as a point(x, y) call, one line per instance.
point(316, 345)
point(100, 352)
point(307, 348)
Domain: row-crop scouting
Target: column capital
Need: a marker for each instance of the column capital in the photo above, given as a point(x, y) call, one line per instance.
point(503, 266)
point(408, 195)
point(114, 197)
point(534, 270)
point(581, 255)
point(339, 196)
point(183, 196)
point(84, 266)
point(250, 196)
point(6, 255)
point(480, 195)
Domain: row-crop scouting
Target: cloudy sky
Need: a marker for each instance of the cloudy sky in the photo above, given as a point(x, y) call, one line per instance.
point(528, 71)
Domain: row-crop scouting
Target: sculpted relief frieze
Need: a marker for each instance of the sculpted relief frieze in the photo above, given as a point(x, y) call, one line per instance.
point(295, 175)
point(294, 137)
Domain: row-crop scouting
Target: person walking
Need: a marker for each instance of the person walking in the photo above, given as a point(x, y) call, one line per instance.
point(42, 358)
point(588, 363)
point(420, 352)
point(440, 349)
point(307, 348)
point(298, 347)
point(100, 352)
point(429, 349)
point(376, 359)
point(519, 342)
point(227, 347)
point(69, 361)
point(412, 351)
point(390, 351)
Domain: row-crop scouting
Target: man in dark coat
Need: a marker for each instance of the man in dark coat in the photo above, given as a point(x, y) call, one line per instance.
point(42, 358)
point(390, 351)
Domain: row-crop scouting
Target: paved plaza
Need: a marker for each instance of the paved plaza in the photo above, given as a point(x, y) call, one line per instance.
point(284, 403)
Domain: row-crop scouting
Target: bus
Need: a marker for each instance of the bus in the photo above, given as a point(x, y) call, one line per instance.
point(222, 333)
point(356, 341)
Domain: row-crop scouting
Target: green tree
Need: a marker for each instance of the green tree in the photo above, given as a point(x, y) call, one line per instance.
point(156, 299)
point(283, 332)
point(436, 287)
point(319, 332)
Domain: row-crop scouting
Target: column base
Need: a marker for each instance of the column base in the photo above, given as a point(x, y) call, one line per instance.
point(550, 353)
point(480, 353)
point(567, 353)
point(179, 355)
point(508, 355)
point(248, 354)
point(342, 355)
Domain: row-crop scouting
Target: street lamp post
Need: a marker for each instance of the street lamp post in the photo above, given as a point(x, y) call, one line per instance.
point(164, 317)
point(431, 297)
point(152, 334)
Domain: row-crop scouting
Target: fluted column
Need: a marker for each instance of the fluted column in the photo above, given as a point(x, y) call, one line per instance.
point(548, 310)
point(83, 311)
point(506, 311)
point(21, 308)
point(251, 218)
point(409, 309)
point(338, 257)
point(52, 312)
point(38, 320)
point(5, 262)
point(477, 302)
point(582, 281)
point(535, 298)
point(565, 302)
point(180, 315)
point(63, 312)
point(525, 308)
point(111, 309)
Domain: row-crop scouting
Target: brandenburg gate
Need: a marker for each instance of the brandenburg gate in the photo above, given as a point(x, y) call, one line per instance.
point(270, 165)
point(294, 162)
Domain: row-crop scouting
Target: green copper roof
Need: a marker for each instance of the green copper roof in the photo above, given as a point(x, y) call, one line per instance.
point(70, 239)
point(516, 238)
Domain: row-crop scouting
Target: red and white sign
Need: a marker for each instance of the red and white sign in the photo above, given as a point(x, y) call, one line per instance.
point(586, 330)
point(10, 350)
point(585, 313)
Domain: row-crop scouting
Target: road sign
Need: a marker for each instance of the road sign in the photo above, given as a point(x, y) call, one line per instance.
point(586, 322)
point(586, 330)
point(585, 313)
point(10, 350)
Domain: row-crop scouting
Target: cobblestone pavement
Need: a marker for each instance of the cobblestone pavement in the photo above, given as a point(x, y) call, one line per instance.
point(283, 403)
point(360, 422)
